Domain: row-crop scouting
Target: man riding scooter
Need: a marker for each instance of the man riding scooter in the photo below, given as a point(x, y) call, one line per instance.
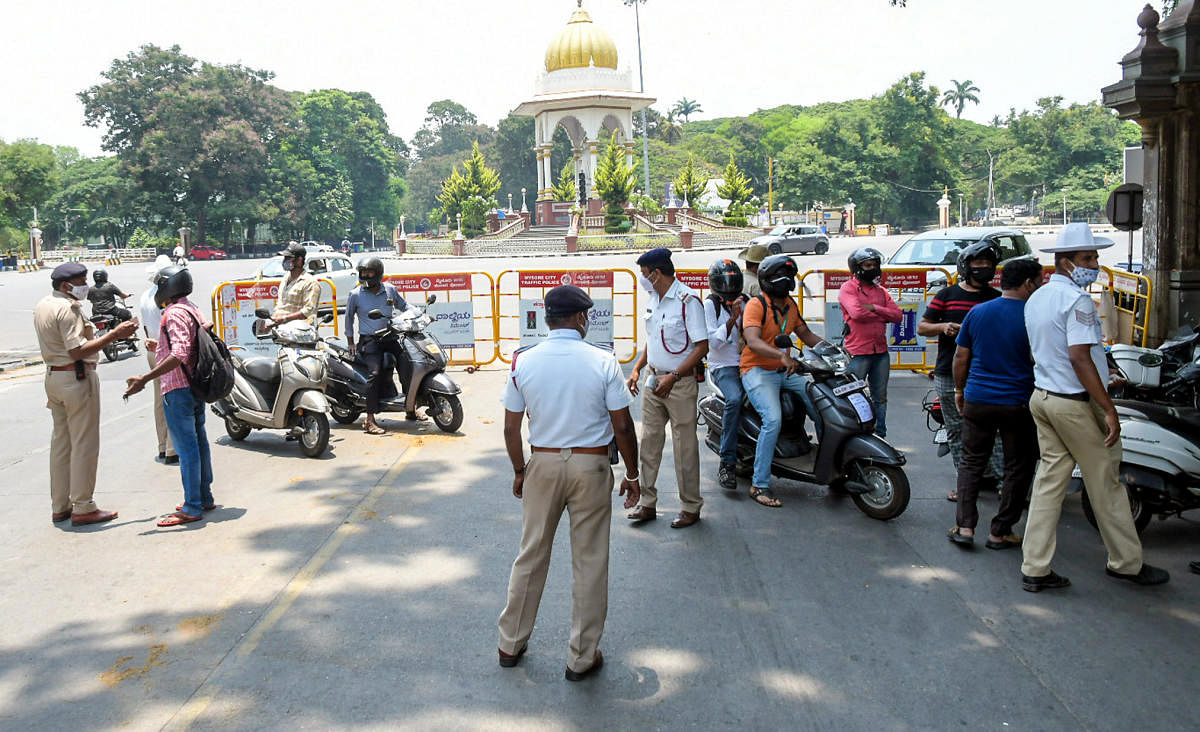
point(104, 297)
point(373, 293)
point(766, 369)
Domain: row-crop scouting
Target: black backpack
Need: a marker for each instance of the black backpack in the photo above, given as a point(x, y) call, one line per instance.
point(211, 374)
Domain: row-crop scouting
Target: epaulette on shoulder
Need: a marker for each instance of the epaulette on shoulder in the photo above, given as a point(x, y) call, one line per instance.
point(519, 351)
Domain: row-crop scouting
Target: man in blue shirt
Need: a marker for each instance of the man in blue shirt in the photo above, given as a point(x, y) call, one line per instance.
point(373, 293)
point(993, 380)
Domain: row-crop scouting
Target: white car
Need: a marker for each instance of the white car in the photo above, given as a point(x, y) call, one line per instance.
point(333, 266)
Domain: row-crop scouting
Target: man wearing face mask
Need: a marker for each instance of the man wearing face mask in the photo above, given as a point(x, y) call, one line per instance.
point(373, 293)
point(1076, 420)
point(676, 343)
point(70, 351)
point(943, 318)
point(868, 308)
point(299, 291)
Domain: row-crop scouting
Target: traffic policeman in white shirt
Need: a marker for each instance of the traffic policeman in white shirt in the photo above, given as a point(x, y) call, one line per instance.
point(575, 396)
point(1076, 420)
point(676, 344)
point(723, 318)
point(151, 318)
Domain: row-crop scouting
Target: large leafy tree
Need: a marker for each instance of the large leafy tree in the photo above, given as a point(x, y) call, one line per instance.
point(963, 92)
point(476, 180)
point(449, 129)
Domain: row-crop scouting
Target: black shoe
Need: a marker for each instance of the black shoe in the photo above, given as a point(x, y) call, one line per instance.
point(726, 477)
point(171, 460)
point(581, 675)
point(508, 661)
point(161, 456)
point(1147, 575)
point(1050, 581)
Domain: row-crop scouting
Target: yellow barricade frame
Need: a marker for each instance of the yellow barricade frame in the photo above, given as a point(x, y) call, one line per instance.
point(218, 308)
point(505, 297)
point(479, 355)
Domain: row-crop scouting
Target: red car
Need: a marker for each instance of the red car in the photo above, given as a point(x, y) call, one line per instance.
point(201, 251)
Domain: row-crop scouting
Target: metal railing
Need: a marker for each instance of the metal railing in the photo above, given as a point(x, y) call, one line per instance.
point(507, 231)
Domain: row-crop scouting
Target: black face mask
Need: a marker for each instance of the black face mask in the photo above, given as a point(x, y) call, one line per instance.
point(867, 275)
point(982, 276)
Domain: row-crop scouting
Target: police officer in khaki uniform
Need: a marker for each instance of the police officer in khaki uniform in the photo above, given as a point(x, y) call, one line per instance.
point(577, 403)
point(70, 351)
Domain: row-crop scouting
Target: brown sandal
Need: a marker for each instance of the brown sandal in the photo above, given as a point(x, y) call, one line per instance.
point(374, 429)
point(764, 497)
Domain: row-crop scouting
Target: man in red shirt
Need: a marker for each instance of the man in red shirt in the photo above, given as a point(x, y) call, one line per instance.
point(181, 322)
point(868, 308)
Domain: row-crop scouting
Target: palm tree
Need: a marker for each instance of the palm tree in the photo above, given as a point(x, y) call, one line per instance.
point(963, 92)
point(686, 108)
point(669, 129)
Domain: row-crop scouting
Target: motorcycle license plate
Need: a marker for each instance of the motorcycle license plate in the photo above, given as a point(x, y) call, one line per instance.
point(940, 437)
point(862, 406)
point(857, 385)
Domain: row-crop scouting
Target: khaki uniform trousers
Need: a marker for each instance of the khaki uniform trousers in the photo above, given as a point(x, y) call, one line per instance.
point(160, 418)
point(75, 441)
point(1069, 433)
point(678, 409)
point(581, 484)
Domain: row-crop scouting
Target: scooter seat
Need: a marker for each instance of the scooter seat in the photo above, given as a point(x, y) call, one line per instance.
point(261, 368)
point(1181, 420)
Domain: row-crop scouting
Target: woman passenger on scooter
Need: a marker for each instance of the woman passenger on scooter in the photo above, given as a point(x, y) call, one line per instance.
point(766, 369)
point(373, 293)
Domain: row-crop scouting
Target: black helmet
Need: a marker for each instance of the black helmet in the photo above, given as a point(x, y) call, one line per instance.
point(172, 282)
point(725, 279)
point(864, 254)
point(777, 274)
point(985, 248)
point(100, 275)
point(374, 264)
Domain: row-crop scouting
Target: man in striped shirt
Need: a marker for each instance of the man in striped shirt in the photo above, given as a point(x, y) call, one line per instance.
point(181, 322)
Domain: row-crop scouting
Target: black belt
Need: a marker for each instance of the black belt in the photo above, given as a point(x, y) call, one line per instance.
point(660, 372)
point(1080, 397)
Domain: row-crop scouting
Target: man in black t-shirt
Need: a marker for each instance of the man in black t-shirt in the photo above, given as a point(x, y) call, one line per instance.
point(943, 317)
point(104, 294)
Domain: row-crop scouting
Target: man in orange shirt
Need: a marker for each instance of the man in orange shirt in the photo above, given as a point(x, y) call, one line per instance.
point(767, 369)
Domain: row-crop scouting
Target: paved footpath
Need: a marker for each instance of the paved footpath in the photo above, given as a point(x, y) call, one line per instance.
point(362, 591)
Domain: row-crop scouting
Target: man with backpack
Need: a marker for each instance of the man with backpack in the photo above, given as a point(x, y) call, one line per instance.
point(177, 347)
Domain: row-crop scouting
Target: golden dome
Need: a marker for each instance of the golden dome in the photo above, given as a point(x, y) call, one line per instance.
point(581, 44)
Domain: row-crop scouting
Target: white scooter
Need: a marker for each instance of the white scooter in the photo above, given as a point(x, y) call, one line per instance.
point(285, 392)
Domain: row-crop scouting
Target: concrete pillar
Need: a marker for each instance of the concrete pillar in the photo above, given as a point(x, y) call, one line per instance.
point(402, 245)
point(458, 247)
point(541, 172)
point(943, 205)
point(593, 163)
point(572, 243)
point(685, 239)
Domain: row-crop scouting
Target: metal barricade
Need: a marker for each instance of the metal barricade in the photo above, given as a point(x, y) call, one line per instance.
point(464, 313)
point(234, 303)
point(911, 287)
point(1131, 295)
point(520, 317)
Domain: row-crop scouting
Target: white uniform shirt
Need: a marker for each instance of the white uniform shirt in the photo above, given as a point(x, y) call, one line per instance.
point(151, 316)
point(567, 386)
point(674, 325)
point(722, 346)
point(1060, 314)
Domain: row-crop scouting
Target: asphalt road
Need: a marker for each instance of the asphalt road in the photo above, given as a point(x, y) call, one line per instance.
point(361, 590)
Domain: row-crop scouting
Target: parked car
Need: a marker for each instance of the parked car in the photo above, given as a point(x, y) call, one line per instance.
point(203, 251)
point(940, 248)
point(794, 239)
point(333, 266)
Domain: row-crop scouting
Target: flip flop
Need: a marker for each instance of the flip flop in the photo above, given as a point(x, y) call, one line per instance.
point(178, 518)
point(374, 430)
point(764, 497)
point(952, 496)
point(1011, 541)
point(957, 538)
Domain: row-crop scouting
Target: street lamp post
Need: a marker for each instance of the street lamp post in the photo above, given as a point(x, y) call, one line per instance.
point(523, 208)
point(510, 203)
point(642, 88)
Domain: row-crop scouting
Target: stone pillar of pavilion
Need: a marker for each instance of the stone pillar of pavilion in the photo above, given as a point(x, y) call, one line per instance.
point(1160, 90)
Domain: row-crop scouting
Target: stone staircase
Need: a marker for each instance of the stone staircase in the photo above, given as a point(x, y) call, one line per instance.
point(541, 232)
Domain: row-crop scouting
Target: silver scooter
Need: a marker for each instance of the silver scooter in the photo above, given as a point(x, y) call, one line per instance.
point(285, 392)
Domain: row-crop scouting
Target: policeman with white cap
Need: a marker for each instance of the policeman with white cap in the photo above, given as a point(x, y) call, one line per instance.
point(1076, 420)
point(575, 396)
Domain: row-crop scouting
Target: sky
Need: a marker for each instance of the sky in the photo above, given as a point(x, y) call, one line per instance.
point(733, 58)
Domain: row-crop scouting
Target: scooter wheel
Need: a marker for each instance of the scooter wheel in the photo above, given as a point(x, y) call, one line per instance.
point(889, 492)
point(315, 435)
point(344, 415)
point(111, 352)
point(237, 429)
point(447, 411)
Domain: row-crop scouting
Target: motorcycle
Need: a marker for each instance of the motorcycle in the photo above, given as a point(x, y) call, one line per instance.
point(107, 321)
point(935, 422)
point(421, 372)
point(284, 392)
point(849, 458)
point(1169, 374)
point(1160, 461)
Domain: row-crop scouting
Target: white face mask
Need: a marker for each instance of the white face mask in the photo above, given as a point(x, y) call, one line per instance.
point(587, 323)
point(646, 283)
point(79, 292)
point(1083, 276)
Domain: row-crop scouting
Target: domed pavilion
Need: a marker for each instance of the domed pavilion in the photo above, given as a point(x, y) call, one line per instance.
point(583, 91)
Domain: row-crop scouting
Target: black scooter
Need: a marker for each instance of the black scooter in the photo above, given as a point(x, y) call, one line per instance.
point(850, 458)
point(421, 372)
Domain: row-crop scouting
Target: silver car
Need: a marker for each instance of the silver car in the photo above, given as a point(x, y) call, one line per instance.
point(794, 239)
point(940, 248)
point(333, 266)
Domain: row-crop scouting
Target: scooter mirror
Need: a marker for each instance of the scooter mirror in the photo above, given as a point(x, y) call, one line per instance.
point(262, 313)
point(430, 299)
point(782, 341)
point(327, 318)
point(375, 315)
